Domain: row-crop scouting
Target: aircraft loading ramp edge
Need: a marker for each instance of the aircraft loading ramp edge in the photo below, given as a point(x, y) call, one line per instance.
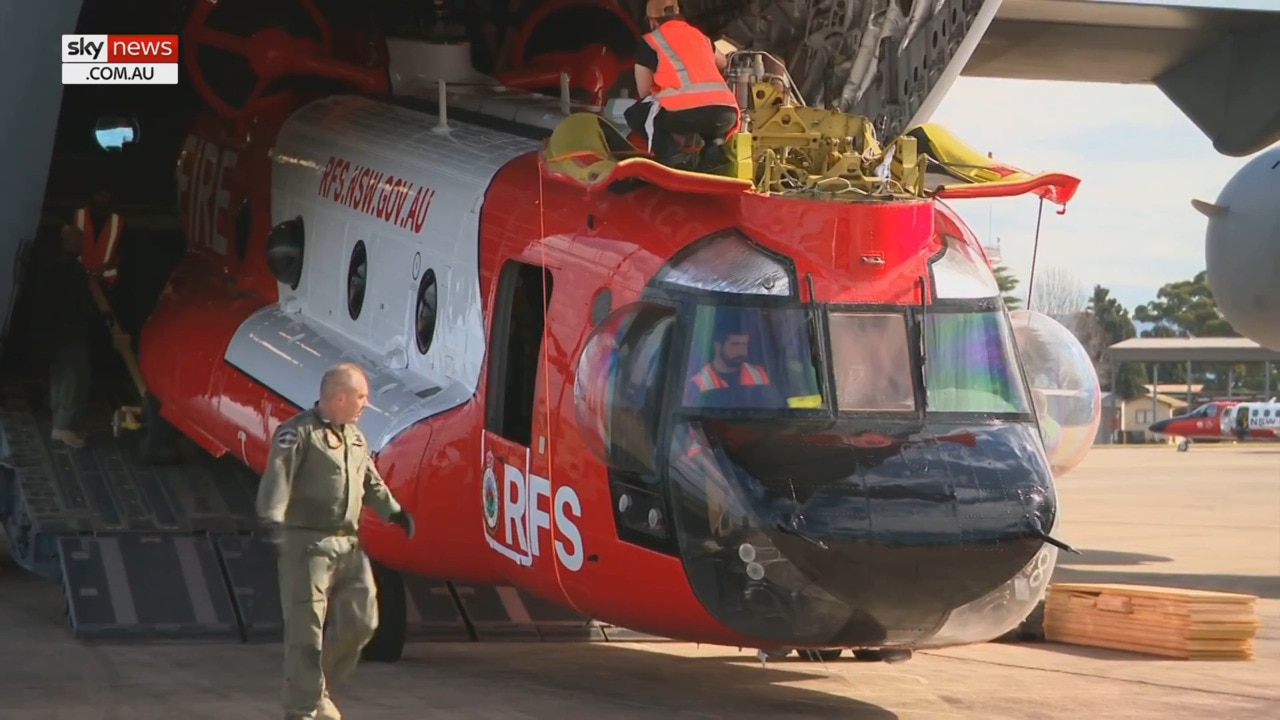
point(168, 553)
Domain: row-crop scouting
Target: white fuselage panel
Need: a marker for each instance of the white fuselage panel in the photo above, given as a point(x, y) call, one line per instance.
point(357, 170)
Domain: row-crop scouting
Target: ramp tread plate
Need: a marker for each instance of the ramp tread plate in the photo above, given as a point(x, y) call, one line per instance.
point(613, 633)
point(432, 612)
point(507, 613)
point(255, 584)
point(137, 586)
point(106, 489)
point(581, 632)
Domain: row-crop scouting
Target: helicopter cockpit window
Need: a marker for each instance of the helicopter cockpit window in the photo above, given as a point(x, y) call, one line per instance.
point(872, 362)
point(753, 358)
point(961, 273)
point(619, 385)
point(730, 263)
point(1211, 410)
point(970, 363)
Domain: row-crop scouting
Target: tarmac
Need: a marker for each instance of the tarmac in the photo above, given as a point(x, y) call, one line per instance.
point(1208, 518)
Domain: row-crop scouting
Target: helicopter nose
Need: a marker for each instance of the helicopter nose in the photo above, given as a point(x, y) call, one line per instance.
point(1161, 426)
point(922, 534)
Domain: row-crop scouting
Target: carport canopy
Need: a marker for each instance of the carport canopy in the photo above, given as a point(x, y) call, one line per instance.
point(1194, 350)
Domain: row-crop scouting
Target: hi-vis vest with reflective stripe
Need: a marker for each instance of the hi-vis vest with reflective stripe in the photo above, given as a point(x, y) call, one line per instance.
point(687, 76)
point(709, 379)
point(99, 245)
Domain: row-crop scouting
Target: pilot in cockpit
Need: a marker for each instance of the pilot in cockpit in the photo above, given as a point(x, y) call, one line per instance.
point(721, 381)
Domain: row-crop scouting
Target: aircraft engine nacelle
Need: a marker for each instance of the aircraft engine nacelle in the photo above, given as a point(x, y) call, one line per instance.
point(1064, 387)
point(1242, 249)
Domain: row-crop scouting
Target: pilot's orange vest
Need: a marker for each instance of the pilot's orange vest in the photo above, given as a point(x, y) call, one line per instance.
point(709, 379)
point(687, 76)
point(99, 247)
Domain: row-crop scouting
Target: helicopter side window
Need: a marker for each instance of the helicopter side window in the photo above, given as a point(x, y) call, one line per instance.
point(515, 347)
point(970, 363)
point(872, 362)
point(618, 388)
point(961, 273)
point(752, 358)
point(1211, 410)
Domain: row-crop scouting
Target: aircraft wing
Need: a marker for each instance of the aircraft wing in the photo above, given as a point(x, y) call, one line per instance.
point(1110, 41)
point(1215, 59)
point(894, 60)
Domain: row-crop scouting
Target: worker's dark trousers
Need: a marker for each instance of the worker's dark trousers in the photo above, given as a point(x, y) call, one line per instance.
point(69, 376)
point(711, 123)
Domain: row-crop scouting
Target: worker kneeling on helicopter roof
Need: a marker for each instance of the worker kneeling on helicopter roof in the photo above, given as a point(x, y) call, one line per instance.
point(682, 92)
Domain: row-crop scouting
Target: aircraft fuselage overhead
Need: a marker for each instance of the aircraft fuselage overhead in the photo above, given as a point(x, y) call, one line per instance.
point(1216, 63)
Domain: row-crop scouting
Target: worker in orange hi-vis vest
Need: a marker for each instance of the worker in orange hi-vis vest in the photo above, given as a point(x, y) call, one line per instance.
point(728, 368)
point(681, 91)
point(100, 229)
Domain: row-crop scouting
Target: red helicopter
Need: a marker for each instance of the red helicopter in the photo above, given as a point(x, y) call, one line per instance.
point(1223, 419)
point(533, 299)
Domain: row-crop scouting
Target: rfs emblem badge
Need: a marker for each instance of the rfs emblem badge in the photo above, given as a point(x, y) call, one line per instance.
point(491, 501)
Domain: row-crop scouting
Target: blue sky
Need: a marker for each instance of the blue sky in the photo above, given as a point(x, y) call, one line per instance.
point(1131, 227)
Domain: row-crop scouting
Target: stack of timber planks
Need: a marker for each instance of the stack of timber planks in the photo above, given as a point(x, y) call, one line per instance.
point(1171, 622)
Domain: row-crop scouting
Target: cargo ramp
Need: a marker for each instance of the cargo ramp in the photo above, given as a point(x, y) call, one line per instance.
point(146, 553)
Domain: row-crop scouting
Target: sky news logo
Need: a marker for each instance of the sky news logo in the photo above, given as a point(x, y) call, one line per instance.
point(119, 59)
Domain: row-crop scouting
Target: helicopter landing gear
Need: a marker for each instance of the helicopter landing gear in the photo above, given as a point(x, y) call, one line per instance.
point(825, 655)
point(1184, 445)
point(388, 640)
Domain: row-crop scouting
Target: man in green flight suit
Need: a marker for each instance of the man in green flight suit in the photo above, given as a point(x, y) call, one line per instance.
point(319, 474)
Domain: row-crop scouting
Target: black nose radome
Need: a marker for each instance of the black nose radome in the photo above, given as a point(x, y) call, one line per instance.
point(1159, 427)
point(848, 544)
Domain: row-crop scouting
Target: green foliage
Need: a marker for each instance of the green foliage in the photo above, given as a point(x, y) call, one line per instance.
point(1007, 283)
point(1186, 308)
point(1106, 323)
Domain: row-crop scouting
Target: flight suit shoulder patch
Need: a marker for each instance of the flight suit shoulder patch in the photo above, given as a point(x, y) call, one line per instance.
point(287, 437)
point(358, 439)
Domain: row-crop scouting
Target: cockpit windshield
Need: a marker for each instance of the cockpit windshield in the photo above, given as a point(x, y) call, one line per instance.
point(753, 358)
point(971, 366)
point(1205, 411)
point(872, 362)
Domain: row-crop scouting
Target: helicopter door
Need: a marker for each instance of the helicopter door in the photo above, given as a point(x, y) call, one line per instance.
point(514, 463)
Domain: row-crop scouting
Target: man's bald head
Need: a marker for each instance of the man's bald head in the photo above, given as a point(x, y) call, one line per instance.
point(344, 391)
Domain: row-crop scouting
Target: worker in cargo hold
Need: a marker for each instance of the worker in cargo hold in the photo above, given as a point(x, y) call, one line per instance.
point(681, 91)
point(71, 317)
point(318, 476)
point(99, 227)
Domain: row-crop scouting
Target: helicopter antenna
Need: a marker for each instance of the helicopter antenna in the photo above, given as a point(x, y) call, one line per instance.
point(1035, 253)
point(442, 126)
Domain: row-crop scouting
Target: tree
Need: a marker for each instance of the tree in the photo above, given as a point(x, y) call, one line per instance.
point(1186, 308)
point(1007, 283)
point(1106, 322)
point(1058, 294)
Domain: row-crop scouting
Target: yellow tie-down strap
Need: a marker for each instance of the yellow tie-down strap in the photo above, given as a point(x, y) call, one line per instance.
point(119, 338)
point(984, 177)
point(587, 150)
